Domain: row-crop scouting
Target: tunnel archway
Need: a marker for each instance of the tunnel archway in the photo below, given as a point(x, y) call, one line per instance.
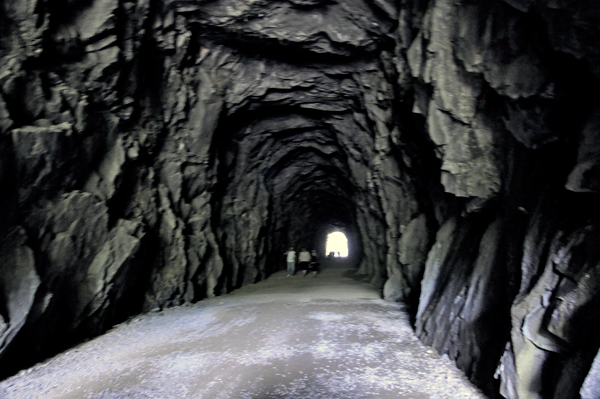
point(336, 245)
point(351, 231)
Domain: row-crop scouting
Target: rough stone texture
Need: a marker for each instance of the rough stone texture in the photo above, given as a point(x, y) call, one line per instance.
point(491, 80)
point(404, 282)
point(20, 283)
point(591, 386)
point(585, 175)
point(154, 153)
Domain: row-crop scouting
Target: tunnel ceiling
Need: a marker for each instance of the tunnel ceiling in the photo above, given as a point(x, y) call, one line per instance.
point(159, 152)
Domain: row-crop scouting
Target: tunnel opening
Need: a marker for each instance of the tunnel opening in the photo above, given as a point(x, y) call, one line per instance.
point(348, 239)
point(336, 245)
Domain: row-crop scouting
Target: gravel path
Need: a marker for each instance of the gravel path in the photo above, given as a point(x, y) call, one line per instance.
point(326, 337)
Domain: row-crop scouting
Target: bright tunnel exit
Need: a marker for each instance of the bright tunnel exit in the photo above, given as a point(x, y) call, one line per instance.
point(337, 243)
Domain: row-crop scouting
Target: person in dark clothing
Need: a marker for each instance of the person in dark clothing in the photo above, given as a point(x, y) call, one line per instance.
point(314, 263)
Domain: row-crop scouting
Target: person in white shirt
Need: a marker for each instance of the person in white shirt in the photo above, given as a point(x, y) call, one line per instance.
point(304, 260)
point(291, 262)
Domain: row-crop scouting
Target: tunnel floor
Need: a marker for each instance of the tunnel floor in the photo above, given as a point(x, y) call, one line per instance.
point(300, 337)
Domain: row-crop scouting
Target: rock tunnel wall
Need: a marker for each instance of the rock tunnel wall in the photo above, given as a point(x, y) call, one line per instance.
point(154, 153)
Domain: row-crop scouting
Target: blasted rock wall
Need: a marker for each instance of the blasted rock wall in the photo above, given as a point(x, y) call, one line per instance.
point(506, 93)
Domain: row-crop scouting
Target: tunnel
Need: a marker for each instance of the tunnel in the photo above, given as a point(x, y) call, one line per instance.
point(159, 153)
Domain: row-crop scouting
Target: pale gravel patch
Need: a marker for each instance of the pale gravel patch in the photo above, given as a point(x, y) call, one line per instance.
point(329, 337)
point(326, 316)
point(265, 356)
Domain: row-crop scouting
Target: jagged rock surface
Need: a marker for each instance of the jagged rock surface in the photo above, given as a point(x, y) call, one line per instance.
point(160, 152)
point(504, 88)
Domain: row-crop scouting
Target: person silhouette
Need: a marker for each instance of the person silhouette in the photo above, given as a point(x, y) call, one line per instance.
point(314, 263)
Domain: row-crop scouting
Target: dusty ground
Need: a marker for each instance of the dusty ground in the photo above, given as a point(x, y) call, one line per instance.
point(326, 337)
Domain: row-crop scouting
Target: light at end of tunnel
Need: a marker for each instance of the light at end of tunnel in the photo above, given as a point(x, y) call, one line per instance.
point(337, 243)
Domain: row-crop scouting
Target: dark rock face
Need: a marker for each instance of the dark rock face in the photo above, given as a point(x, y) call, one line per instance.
point(500, 277)
point(160, 152)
